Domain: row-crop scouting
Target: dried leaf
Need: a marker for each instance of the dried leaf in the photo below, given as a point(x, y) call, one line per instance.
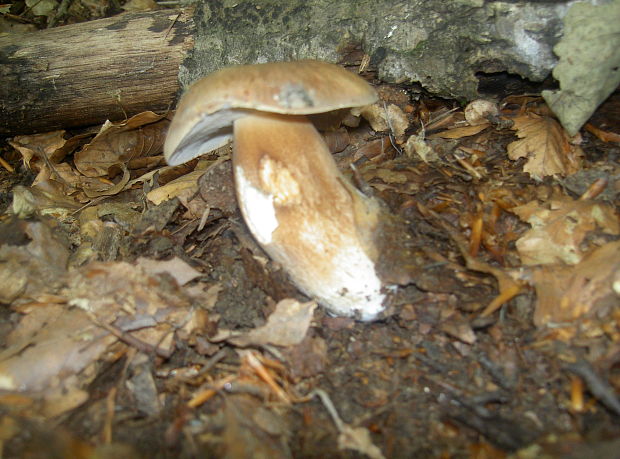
point(133, 301)
point(337, 141)
point(559, 227)
point(590, 287)
point(253, 431)
point(391, 176)
point(175, 188)
point(374, 148)
point(50, 341)
point(177, 268)
point(458, 327)
point(545, 145)
point(48, 144)
point(460, 132)
point(54, 348)
point(94, 189)
point(358, 439)
point(384, 118)
point(62, 173)
point(27, 270)
point(286, 326)
point(479, 111)
point(418, 145)
point(116, 144)
point(43, 199)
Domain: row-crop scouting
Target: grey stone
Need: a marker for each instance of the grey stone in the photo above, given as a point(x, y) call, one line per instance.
point(439, 44)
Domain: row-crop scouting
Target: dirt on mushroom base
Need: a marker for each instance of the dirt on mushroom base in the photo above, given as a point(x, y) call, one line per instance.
point(428, 382)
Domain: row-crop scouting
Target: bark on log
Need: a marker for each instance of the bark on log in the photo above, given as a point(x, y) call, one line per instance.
point(83, 74)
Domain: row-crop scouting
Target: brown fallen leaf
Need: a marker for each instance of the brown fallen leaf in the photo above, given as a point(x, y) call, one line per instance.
point(177, 268)
point(250, 429)
point(48, 144)
point(375, 148)
point(458, 327)
point(33, 260)
point(116, 144)
point(417, 144)
point(391, 176)
point(559, 227)
point(46, 198)
point(49, 342)
point(546, 146)
point(286, 326)
point(94, 187)
point(53, 350)
point(177, 187)
point(479, 111)
point(383, 117)
point(133, 304)
point(337, 141)
point(591, 287)
point(460, 132)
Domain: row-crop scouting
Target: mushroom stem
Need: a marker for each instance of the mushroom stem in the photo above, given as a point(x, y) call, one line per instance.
point(305, 213)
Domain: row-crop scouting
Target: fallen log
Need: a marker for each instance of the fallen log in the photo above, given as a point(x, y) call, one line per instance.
point(83, 74)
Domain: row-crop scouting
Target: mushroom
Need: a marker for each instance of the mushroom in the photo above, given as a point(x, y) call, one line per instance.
point(303, 212)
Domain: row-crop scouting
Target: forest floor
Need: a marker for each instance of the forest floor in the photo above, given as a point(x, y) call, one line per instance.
point(140, 318)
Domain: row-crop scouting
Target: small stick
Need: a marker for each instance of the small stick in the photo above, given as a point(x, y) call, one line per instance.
point(130, 340)
point(263, 374)
point(6, 165)
point(599, 387)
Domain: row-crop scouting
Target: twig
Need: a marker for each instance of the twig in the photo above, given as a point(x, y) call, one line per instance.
point(131, 340)
point(110, 404)
point(391, 135)
point(263, 374)
point(174, 21)
point(599, 387)
point(329, 406)
point(6, 165)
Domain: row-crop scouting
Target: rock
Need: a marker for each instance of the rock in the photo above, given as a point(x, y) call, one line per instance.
point(439, 45)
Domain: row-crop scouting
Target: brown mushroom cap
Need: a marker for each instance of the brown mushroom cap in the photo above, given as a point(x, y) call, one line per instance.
point(205, 114)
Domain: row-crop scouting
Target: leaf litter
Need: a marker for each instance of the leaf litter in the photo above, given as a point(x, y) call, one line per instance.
point(136, 302)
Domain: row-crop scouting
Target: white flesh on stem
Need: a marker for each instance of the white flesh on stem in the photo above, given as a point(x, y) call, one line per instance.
point(305, 214)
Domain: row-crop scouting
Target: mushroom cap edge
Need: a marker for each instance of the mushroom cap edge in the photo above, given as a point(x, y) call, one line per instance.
point(206, 112)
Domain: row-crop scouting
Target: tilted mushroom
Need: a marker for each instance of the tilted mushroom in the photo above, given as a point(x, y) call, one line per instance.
point(305, 214)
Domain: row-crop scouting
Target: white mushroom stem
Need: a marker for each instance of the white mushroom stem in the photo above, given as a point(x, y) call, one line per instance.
point(305, 214)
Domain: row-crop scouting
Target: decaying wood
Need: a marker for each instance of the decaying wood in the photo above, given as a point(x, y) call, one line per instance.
point(82, 74)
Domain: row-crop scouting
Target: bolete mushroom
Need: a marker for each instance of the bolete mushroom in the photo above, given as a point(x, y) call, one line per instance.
point(304, 213)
